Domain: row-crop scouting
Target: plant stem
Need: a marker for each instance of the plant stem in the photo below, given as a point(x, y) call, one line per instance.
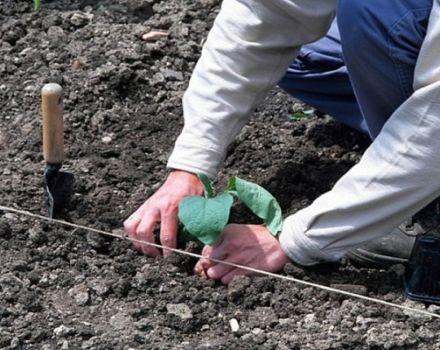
point(37, 5)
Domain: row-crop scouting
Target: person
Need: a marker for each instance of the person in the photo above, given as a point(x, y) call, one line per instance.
point(375, 68)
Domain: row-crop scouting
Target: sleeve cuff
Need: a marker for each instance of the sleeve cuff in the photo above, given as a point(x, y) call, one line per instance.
point(298, 246)
point(195, 158)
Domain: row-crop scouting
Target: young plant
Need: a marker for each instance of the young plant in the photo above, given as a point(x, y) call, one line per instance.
point(37, 5)
point(299, 115)
point(205, 217)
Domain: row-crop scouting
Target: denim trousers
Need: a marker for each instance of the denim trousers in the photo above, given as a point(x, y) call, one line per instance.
point(363, 69)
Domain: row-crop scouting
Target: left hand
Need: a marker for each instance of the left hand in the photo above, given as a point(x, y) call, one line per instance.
point(248, 245)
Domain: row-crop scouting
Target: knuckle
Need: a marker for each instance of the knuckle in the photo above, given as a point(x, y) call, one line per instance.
point(129, 226)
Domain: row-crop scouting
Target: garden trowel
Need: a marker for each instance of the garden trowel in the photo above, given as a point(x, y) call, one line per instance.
point(59, 184)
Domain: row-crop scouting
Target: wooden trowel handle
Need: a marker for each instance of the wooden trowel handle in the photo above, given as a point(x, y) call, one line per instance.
point(53, 128)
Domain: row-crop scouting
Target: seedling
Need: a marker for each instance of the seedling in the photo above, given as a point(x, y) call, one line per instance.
point(298, 115)
point(37, 5)
point(205, 217)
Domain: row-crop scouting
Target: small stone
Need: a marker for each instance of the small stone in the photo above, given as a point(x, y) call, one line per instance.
point(247, 337)
point(233, 323)
point(170, 74)
point(15, 343)
point(76, 65)
point(99, 287)
point(63, 331)
point(80, 294)
point(106, 139)
point(30, 88)
point(120, 321)
point(154, 35)
point(80, 19)
point(309, 318)
point(82, 298)
point(56, 34)
point(36, 236)
point(10, 216)
point(180, 310)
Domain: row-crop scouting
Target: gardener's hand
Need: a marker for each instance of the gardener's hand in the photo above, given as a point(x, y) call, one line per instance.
point(162, 207)
point(248, 245)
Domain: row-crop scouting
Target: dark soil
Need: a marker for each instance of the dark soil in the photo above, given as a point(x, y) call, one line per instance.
point(66, 289)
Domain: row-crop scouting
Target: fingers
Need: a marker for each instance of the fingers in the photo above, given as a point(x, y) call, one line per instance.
point(215, 251)
point(168, 232)
point(204, 263)
point(140, 226)
point(144, 232)
point(131, 225)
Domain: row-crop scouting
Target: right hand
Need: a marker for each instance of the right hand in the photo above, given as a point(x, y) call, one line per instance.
point(162, 208)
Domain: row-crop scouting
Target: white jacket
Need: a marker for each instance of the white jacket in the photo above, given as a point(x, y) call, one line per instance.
point(247, 52)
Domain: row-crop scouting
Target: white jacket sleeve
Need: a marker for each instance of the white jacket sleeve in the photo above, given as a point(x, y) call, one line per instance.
point(247, 51)
point(397, 176)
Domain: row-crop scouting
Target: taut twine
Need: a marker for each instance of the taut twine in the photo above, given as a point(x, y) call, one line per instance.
point(198, 256)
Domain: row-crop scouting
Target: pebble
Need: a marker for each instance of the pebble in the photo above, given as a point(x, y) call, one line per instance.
point(233, 323)
point(106, 139)
point(180, 310)
point(10, 216)
point(80, 19)
point(154, 35)
point(15, 343)
point(120, 321)
point(172, 74)
point(56, 34)
point(99, 287)
point(82, 298)
point(30, 88)
point(63, 331)
point(80, 294)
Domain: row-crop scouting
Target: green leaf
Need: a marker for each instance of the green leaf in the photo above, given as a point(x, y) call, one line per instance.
point(205, 218)
point(259, 201)
point(37, 5)
point(207, 184)
point(298, 115)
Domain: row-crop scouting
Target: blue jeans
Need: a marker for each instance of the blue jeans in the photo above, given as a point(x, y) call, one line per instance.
point(363, 69)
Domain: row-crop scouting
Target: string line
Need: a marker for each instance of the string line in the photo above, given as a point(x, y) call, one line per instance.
point(199, 256)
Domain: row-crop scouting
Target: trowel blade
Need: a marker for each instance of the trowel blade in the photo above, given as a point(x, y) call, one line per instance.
point(59, 186)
